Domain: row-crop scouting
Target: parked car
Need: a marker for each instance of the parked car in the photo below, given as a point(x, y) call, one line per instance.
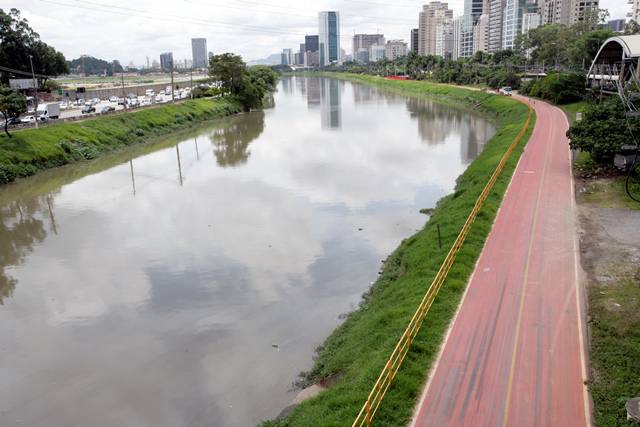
point(121, 101)
point(506, 91)
point(10, 122)
point(107, 109)
point(88, 109)
point(79, 102)
point(113, 99)
point(28, 119)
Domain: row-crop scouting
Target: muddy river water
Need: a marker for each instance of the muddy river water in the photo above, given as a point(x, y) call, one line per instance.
point(187, 282)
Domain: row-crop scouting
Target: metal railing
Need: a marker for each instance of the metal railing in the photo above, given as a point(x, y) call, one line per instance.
point(379, 390)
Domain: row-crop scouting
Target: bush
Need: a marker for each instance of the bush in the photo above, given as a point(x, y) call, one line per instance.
point(560, 88)
point(527, 86)
point(503, 78)
point(603, 130)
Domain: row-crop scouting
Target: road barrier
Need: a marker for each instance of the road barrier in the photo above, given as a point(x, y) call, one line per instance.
point(391, 368)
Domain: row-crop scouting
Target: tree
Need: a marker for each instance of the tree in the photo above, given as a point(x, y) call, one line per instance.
point(19, 42)
point(12, 104)
point(603, 130)
point(230, 70)
point(94, 66)
point(631, 28)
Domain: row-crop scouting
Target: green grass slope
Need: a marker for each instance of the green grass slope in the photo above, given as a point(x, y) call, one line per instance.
point(355, 353)
point(32, 150)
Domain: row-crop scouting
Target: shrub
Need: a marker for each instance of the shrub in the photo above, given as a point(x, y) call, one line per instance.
point(559, 88)
point(603, 130)
point(503, 78)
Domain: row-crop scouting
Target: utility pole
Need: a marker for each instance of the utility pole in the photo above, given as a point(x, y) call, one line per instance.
point(35, 88)
point(191, 91)
point(173, 100)
point(124, 98)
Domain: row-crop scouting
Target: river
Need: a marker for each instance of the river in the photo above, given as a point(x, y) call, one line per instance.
point(188, 282)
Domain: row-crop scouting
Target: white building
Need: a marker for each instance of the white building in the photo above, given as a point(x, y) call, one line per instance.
point(444, 39)
point(457, 32)
point(530, 21)
point(512, 22)
point(635, 10)
point(395, 49)
point(287, 57)
point(432, 15)
point(496, 15)
point(481, 34)
point(376, 53)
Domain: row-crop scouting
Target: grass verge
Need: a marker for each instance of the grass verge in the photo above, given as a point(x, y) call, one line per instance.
point(33, 150)
point(353, 356)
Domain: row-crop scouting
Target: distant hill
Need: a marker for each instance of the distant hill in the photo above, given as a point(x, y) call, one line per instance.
point(94, 66)
point(269, 60)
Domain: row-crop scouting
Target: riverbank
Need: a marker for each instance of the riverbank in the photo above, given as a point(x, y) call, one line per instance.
point(353, 356)
point(32, 150)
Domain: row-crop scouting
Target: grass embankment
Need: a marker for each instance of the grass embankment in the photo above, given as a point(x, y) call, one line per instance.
point(358, 349)
point(32, 150)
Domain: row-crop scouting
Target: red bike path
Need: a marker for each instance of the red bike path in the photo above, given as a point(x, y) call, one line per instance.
point(514, 355)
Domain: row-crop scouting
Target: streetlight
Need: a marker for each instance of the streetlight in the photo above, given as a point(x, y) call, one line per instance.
point(35, 86)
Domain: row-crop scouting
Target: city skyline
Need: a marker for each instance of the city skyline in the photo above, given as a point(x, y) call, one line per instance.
point(228, 27)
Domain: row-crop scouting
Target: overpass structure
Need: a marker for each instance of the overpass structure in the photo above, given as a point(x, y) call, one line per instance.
point(616, 70)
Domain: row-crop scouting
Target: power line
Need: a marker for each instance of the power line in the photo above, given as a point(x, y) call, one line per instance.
point(24, 73)
point(378, 18)
point(124, 11)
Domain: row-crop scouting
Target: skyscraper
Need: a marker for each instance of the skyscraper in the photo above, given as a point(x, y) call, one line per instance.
point(199, 53)
point(329, 37)
point(496, 14)
point(432, 15)
point(311, 43)
point(395, 49)
point(166, 61)
point(635, 11)
point(481, 34)
point(556, 11)
point(414, 39)
point(472, 11)
point(365, 41)
point(584, 10)
point(512, 22)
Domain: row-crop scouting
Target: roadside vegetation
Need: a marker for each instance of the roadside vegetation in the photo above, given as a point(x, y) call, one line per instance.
point(354, 355)
point(32, 150)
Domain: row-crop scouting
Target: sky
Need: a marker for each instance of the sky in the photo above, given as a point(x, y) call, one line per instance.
point(130, 31)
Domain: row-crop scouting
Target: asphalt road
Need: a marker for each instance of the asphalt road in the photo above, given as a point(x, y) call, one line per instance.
point(515, 352)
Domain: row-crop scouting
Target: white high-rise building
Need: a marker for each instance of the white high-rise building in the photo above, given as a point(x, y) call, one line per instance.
point(481, 34)
point(444, 39)
point(395, 49)
point(457, 32)
point(376, 53)
point(432, 15)
point(530, 21)
point(496, 15)
point(473, 9)
point(635, 11)
point(512, 22)
point(329, 37)
point(582, 10)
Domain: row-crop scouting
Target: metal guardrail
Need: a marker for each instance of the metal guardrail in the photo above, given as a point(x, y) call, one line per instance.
point(391, 368)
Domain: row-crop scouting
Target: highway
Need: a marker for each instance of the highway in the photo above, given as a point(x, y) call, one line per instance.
point(514, 355)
